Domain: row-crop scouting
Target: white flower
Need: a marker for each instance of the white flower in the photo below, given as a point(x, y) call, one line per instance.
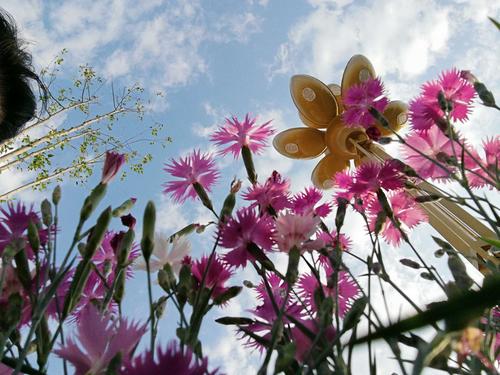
point(166, 251)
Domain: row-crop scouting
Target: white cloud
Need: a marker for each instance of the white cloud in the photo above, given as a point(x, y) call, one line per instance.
point(159, 39)
point(398, 39)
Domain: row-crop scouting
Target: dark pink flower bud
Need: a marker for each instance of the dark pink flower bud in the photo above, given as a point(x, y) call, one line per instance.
point(112, 165)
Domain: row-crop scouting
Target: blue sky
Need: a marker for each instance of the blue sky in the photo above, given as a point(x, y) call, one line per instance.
point(216, 58)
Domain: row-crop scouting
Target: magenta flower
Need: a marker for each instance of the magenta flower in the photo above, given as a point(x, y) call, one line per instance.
point(425, 110)
point(303, 343)
point(370, 177)
point(304, 203)
point(245, 229)
point(14, 224)
point(296, 231)
point(272, 196)
point(239, 134)
point(348, 290)
point(173, 360)
point(112, 165)
point(266, 312)
point(216, 277)
point(106, 262)
point(358, 101)
point(98, 340)
point(431, 143)
point(194, 168)
point(330, 239)
point(405, 210)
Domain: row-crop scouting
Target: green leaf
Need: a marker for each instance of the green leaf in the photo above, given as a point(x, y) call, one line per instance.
point(286, 356)
point(230, 320)
point(457, 268)
point(354, 314)
point(492, 241)
point(457, 311)
point(495, 22)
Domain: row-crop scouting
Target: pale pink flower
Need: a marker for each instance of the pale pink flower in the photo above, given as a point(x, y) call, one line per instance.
point(167, 251)
point(370, 177)
point(296, 231)
point(217, 275)
point(347, 288)
point(430, 143)
point(194, 168)
point(482, 172)
point(425, 110)
point(98, 340)
point(270, 197)
point(241, 231)
point(239, 134)
point(304, 203)
point(360, 98)
point(173, 360)
point(405, 210)
point(112, 164)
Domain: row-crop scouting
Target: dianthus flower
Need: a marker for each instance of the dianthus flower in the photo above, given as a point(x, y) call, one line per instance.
point(217, 274)
point(98, 340)
point(245, 229)
point(167, 251)
point(482, 172)
point(196, 168)
point(425, 110)
point(173, 360)
point(348, 290)
point(14, 224)
point(106, 264)
point(239, 134)
point(296, 231)
point(303, 343)
point(431, 144)
point(370, 177)
point(358, 101)
point(266, 311)
point(272, 196)
point(406, 211)
point(304, 203)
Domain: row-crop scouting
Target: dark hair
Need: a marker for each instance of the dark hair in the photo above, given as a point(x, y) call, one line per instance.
point(17, 101)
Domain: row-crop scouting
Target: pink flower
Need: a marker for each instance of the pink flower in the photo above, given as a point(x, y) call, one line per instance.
point(272, 196)
point(14, 224)
point(348, 290)
point(304, 203)
point(330, 239)
point(405, 210)
point(370, 177)
point(303, 343)
point(246, 229)
point(112, 165)
point(430, 143)
point(481, 172)
point(194, 168)
point(98, 340)
point(296, 230)
point(173, 360)
point(106, 262)
point(425, 110)
point(358, 101)
point(266, 311)
point(240, 134)
point(216, 277)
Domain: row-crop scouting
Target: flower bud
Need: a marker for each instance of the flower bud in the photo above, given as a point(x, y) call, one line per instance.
point(112, 165)
point(124, 208)
point(92, 201)
point(33, 237)
point(148, 230)
point(46, 212)
point(56, 195)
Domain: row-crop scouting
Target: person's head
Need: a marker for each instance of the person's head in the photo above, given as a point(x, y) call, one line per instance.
point(17, 100)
